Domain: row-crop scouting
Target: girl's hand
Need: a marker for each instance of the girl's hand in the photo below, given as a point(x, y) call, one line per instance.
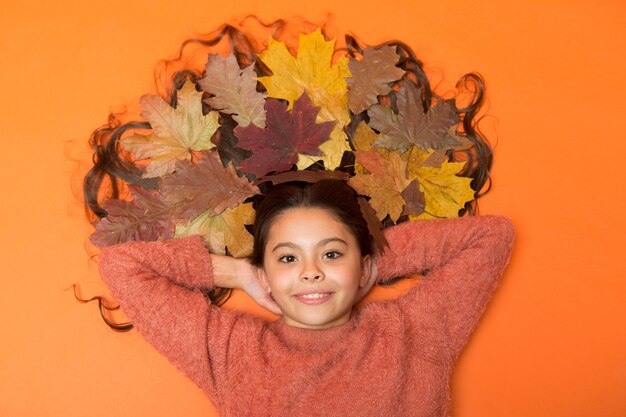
point(251, 285)
point(229, 272)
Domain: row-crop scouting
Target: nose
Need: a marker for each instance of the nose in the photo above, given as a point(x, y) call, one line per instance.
point(311, 273)
point(311, 277)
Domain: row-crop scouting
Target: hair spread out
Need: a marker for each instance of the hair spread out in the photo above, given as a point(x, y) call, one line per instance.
point(114, 168)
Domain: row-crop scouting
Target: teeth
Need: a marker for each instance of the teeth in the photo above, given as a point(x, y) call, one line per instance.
point(313, 296)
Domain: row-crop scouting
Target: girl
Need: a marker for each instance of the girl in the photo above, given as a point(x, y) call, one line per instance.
point(312, 261)
point(322, 146)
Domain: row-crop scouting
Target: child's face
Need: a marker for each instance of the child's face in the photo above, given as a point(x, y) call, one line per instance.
point(313, 268)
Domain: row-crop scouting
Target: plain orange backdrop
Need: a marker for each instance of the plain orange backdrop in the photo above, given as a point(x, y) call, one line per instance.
point(553, 342)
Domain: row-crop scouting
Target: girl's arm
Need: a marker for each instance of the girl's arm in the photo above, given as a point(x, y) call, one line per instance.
point(158, 287)
point(462, 260)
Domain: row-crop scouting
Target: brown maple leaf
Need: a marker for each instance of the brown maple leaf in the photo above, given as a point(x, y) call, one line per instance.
point(234, 90)
point(384, 183)
point(411, 125)
point(147, 217)
point(287, 134)
point(206, 186)
point(374, 225)
point(371, 77)
point(437, 158)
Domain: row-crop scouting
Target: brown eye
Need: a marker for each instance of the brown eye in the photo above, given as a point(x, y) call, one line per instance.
point(287, 259)
point(333, 254)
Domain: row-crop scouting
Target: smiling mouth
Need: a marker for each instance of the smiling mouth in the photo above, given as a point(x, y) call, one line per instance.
point(313, 298)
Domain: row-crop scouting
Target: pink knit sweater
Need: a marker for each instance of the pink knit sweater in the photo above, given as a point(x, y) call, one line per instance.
point(392, 358)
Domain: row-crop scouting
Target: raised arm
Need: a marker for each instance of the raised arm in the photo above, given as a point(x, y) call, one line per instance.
point(462, 261)
point(158, 286)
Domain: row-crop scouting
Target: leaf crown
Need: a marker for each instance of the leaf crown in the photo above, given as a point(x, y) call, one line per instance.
point(364, 115)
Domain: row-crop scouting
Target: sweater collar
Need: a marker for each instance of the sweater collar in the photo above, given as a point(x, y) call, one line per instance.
point(311, 340)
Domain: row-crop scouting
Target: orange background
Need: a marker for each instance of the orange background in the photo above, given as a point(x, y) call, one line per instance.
point(553, 342)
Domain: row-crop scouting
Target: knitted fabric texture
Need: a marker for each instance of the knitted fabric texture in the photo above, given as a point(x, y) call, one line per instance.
point(392, 358)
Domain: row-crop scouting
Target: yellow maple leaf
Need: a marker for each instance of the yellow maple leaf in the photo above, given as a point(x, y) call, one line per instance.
point(364, 137)
point(333, 150)
point(312, 71)
point(176, 132)
point(445, 193)
point(224, 230)
point(384, 182)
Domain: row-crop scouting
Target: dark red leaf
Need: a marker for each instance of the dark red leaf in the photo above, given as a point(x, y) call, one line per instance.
point(287, 134)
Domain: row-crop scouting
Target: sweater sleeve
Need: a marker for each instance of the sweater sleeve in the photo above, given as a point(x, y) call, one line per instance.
point(157, 285)
point(461, 259)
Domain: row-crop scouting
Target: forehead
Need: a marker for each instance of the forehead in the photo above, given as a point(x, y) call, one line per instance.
point(308, 223)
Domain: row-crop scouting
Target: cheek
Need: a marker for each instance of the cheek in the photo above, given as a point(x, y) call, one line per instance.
point(278, 279)
point(356, 272)
point(348, 275)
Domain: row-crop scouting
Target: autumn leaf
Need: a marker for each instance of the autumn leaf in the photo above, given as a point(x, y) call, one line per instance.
point(371, 77)
point(384, 183)
point(234, 90)
point(175, 132)
point(311, 71)
point(287, 134)
point(225, 230)
point(374, 226)
point(334, 148)
point(303, 176)
point(207, 185)
point(364, 137)
point(445, 193)
point(146, 218)
point(411, 126)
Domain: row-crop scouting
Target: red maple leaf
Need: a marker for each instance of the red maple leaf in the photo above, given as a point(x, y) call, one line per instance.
point(287, 133)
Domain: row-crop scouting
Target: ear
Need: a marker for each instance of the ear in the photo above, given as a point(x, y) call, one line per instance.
point(265, 284)
point(366, 271)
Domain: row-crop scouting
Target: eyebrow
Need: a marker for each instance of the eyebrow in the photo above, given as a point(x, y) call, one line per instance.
point(321, 243)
